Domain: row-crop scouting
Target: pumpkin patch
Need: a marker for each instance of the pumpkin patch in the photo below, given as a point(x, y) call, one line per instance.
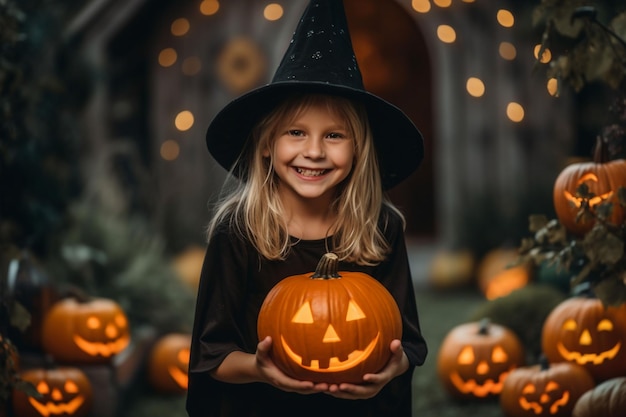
point(330, 326)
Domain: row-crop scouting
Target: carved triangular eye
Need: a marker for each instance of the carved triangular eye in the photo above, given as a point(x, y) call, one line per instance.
point(71, 387)
point(466, 357)
point(354, 312)
point(304, 314)
point(499, 355)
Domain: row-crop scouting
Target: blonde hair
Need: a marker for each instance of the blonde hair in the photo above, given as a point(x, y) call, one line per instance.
point(252, 207)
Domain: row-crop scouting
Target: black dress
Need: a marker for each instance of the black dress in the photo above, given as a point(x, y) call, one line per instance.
point(233, 285)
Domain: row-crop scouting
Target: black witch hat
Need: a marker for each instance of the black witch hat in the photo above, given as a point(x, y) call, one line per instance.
point(320, 59)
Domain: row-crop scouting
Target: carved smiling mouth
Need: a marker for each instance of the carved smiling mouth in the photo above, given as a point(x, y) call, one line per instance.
point(102, 348)
point(311, 172)
point(335, 365)
point(596, 358)
point(480, 390)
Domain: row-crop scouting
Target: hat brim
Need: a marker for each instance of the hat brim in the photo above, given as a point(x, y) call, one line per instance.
point(399, 144)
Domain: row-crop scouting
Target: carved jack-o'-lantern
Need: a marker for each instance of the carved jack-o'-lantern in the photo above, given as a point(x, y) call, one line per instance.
point(544, 390)
point(602, 178)
point(169, 362)
point(328, 326)
point(63, 392)
point(475, 358)
point(583, 331)
point(85, 332)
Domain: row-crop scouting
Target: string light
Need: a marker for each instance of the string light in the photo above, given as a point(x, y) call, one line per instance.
point(515, 112)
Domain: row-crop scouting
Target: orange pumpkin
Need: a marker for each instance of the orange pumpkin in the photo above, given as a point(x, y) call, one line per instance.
point(602, 179)
point(544, 390)
point(169, 362)
point(583, 331)
point(64, 391)
point(91, 331)
point(607, 399)
point(475, 358)
point(498, 275)
point(328, 326)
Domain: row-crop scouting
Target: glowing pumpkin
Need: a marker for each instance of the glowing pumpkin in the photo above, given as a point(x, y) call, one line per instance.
point(475, 358)
point(607, 399)
point(169, 362)
point(544, 390)
point(64, 391)
point(451, 268)
point(583, 331)
point(92, 331)
point(498, 275)
point(328, 326)
point(602, 178)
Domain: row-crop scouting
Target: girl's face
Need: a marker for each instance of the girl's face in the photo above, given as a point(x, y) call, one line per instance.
point(312, 155)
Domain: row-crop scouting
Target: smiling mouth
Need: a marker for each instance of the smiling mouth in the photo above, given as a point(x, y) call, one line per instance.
point(311, 172)
point(354, 358)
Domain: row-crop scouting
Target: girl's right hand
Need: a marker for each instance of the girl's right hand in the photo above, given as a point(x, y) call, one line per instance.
point(271, 374)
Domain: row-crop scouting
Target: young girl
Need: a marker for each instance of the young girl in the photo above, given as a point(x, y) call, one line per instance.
point(312, 158)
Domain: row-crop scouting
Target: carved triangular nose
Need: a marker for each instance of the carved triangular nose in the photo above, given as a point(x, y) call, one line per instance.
point(331, 335)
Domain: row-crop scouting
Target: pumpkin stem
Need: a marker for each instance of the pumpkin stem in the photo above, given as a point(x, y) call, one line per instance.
point(327, 267)
point(600, 151)
point(543, 362)
point(483, 326)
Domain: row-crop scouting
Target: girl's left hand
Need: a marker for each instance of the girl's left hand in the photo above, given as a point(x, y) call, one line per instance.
point(373, 383)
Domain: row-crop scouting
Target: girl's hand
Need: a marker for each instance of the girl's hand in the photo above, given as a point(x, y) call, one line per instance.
point(373, 383)
point(271, 374)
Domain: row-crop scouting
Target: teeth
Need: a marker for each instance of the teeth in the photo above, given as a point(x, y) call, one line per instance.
point(311, 172)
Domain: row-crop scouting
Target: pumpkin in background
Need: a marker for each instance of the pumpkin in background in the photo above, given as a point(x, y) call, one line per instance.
point(451, 268)
point(544, 390)
point(89, 331)
point(330, 326)
point(498, 275)
point(607, 399)
point(475, 359)
point(65, 391)
point(582, 330)
point(602, 179)
point(188, 265)
point(169, 362)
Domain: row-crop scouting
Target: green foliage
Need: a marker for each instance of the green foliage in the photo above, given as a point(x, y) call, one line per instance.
point(584, 47)
point(37, 139)
point(122, 258)
point(597, 259)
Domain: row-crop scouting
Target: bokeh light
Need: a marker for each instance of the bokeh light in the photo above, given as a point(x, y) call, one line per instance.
point(273, 11)
point(421, 6)
point(170, 150)
point(546, 56)
point(507, 51)
point(184, 120)
point(209, 7)
point(515, 112)
point(475, 87)
point(446, 33)
point(180, 27)
point(505, 18)
point(167, 57)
